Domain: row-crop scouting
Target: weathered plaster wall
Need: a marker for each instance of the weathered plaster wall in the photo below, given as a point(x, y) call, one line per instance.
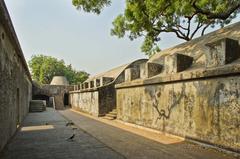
point(86, 102)
point(15, 82)
point(96, 102)
point(206, 110)
point(191, 90)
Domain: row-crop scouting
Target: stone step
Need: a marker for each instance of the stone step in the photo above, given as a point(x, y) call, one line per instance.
point(114, 110)
point(36, 111)
point(108, 118)
point(40, 109)
point(111, 115)
point(37, 106)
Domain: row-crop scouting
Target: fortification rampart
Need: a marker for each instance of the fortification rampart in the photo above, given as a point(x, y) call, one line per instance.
point(191, 90)
point(15, 80)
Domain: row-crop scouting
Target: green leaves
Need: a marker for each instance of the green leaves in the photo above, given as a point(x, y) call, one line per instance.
point(119, 26)
point(94, 6)
point(150, 18)
point(149, 47)
point(43, 69)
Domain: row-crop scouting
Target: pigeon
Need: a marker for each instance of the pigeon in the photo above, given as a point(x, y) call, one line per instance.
point(69, 123)
point(71, 138)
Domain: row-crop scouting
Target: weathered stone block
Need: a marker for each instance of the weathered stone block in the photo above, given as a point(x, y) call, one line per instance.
point(106, 80)
point(97, 82)
point(86, 85)
point(143, 70)
point(76, 87)
point(177, 63)
point(121, 78)
point(83, 86)
point(80, 87)
point(222, 52)
point(132, 73)
point(153, 69)
point(91, 84)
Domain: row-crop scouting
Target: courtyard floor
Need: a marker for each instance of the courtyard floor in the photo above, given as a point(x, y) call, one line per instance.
point(46, 136)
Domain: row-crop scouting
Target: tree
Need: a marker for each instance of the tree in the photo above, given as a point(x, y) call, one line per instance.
point(44, 68)
point(150, 18)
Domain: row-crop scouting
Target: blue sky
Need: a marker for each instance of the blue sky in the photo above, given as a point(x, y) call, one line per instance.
point(56, 28)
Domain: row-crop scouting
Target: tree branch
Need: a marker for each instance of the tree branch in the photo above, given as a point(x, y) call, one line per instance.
point(197, 28)
point(210, 15)
point(208, 24)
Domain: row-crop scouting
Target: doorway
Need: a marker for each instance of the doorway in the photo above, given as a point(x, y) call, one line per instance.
point(66, 99)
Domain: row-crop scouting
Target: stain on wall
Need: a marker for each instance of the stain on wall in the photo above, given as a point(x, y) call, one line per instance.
point(205, 110)
point(86, 102)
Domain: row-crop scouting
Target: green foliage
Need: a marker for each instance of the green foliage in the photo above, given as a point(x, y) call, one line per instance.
point(43, 69)
point(94, 6)
point(150, 18)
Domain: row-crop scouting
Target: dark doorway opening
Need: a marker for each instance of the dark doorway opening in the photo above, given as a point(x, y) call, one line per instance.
point(42, 97)
point(66, 99)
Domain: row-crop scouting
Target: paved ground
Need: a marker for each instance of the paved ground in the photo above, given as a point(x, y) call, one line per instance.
point(44, 136)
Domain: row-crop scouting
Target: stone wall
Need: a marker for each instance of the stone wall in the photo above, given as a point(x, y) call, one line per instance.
point(193, 93)
point(55, 91)
point(15, 80)
point(85, 102)
point(107, 99)
point(96, 102)
point(206, 110)
point(97, 95)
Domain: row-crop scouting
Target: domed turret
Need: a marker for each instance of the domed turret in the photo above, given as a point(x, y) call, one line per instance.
point(59, 80)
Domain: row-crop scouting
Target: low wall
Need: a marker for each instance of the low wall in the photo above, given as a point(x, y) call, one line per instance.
point(85, 101)
point(97, 95)
point(97, 101)
point(15, 80)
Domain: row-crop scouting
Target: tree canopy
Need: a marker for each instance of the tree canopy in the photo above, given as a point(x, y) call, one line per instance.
point(44, 68)
point(150, 18)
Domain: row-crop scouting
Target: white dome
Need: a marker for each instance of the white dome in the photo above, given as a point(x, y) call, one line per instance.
point(59, 80)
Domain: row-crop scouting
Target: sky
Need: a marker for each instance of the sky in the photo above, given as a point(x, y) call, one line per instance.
point(56, 28)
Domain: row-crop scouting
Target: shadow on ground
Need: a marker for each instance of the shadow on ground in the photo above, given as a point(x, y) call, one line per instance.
point(45, 136)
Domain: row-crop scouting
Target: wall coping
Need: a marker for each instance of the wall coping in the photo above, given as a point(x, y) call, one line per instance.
point(232, 69)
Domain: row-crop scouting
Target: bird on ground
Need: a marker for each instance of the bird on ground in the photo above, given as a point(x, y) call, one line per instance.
point(70, 123)
point(71, 138)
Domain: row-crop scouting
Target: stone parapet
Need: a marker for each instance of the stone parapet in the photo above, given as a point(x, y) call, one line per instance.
point(222, 52)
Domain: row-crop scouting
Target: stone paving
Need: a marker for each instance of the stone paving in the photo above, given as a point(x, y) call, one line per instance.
point(44, 136)
point(135, 146)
